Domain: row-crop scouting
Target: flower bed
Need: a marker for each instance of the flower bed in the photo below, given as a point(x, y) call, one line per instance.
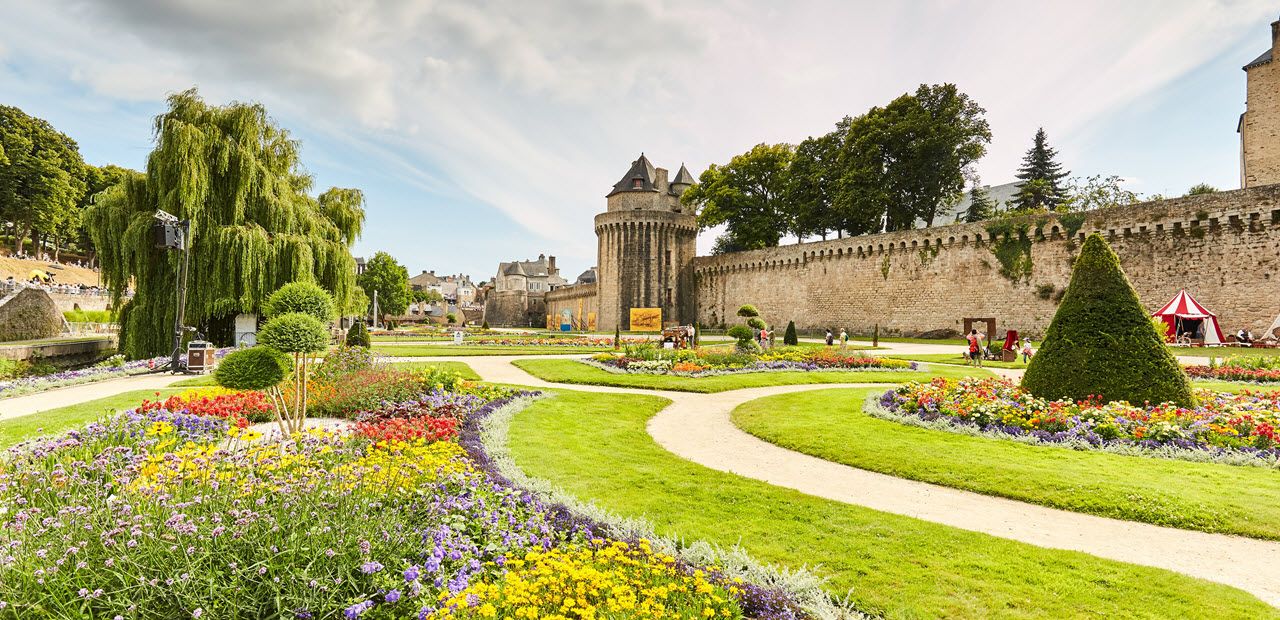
point(238, 408)
point(1233, 424)
point(710, 362)
point(156, 513)
point(1243, 369)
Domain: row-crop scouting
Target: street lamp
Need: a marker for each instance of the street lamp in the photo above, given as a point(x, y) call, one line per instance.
point(170, 233)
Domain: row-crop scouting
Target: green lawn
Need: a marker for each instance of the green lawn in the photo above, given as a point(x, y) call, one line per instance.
point(55, 421)
point(459, 367)
point(1222, 352)
point(595, 447)
point(573, 371)
point(465, 350)
point(830, 424)
point(954, 358)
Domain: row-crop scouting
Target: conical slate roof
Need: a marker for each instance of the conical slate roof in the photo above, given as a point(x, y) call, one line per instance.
point(683, 176)
point(640, 169)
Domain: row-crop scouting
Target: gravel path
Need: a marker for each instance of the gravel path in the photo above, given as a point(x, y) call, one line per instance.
point(61, 397)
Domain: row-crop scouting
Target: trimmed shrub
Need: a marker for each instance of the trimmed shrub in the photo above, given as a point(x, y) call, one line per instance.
point(790, 338)
point(617, 337)
point(358, 335)
point(485, 325)
point(305, 297)
point(1102, 343)
point(344, 361)
point(255, 368)
point(741, 333)
point(451, 318)
point(295, 332)
point(756, 322)
point(748, 311)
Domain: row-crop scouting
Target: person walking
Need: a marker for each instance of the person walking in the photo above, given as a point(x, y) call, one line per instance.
point(1027, 351)
point(975, 348)
point(844, 339)
point(830, 338)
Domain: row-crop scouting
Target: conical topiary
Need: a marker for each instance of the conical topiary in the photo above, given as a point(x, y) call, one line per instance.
point(790, 339)
point(1101, 341)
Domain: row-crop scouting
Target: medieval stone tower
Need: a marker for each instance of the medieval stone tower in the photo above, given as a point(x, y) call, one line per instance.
point(1260, 123)
point(647, 242)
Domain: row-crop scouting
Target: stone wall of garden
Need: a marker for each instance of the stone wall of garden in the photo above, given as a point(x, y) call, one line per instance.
point(1224, 248)
point(580, 300)
point(29, 314)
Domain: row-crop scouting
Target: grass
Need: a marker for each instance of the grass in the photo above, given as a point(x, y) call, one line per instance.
point(53, 421)
point(573, 371)
point(595, 447)
point(1223, 352)
point(831, 425)
point(954, 358)
point(465, 350)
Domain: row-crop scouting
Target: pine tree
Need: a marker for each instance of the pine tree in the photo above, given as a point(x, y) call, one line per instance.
point(981, 206)
point(1040, 178)
point(1102, 342)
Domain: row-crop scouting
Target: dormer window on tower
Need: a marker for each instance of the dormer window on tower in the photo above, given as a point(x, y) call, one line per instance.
point(637, 183)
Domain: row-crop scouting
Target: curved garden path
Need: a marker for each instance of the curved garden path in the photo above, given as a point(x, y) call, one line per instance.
point(18, 406)
point(697, 427)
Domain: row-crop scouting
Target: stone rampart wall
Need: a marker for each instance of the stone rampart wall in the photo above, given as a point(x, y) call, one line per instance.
point(1224, 248)
point(580, 300)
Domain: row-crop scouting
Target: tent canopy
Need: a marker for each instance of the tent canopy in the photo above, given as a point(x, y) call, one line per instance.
point(1183, 314)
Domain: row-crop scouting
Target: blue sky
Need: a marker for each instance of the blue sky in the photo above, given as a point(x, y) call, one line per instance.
point(490, 130)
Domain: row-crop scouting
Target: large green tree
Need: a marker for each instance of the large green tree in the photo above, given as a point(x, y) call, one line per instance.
point(747, 195)
point(1041, 178)
point(811, 186)
point(1097, 192)
point(390, 280)
point(236, 175)
point(42, 176)
point(907, 161)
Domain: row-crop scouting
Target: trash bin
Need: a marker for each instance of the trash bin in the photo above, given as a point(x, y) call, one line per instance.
point(199, 356)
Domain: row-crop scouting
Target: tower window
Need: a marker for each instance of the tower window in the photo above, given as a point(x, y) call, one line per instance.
point(636, 183)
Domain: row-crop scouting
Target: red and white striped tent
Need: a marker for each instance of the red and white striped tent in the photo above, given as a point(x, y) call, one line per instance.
point(1183, 314)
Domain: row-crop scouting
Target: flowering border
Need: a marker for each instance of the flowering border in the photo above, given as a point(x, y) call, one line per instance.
point(768, 367)
point(93, 374)
point(877, 406)
point(768, 592)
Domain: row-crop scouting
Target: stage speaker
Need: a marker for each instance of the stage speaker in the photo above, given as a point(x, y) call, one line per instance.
point(166, 235)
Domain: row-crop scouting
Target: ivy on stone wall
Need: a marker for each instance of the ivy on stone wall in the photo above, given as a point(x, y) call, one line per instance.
point(1071, 223)
point(1012, 247)
point(928, 253)
point(884, 267)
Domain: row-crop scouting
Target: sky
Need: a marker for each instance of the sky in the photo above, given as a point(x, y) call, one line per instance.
point(490, 130)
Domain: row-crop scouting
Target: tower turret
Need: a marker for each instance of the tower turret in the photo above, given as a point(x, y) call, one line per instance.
point(646, 244)
point(1260, 123)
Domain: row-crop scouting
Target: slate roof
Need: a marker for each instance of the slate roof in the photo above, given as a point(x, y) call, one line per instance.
point(640, 169)
point(588, 277)
point(424, 279)
point(532, 268)
point(683, 176)
point(1261, 60)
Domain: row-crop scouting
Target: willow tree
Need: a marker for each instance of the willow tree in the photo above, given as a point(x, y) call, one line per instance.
point(254, 224)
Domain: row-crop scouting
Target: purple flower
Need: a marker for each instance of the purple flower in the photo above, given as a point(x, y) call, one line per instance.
point(354, 611)
point(197, 612)
point(393, 596)
point(370, 567)
point(411, 573)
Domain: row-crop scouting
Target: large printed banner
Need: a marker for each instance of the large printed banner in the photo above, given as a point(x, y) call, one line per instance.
point(591, 321)
point(646, 319)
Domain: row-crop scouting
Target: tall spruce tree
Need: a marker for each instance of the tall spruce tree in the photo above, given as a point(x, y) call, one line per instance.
point(1040, 179)
point(1102, 342)
point(236, 175)
point(982, 206)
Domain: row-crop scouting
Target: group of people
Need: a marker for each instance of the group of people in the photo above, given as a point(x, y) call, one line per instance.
point(49, 284)
point(830, 339)
point(45, 258)
point(977, 352)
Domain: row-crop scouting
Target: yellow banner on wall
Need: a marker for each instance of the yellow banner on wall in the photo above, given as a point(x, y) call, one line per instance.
point(591, 321)
point(646, 319)
point(550, 325)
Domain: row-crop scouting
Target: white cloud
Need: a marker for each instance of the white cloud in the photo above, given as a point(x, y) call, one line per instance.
point(536, 108)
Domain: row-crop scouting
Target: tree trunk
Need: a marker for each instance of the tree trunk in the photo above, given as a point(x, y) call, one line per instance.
point(19, 237)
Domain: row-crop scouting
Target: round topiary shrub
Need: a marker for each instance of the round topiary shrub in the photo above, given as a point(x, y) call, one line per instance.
point(748, 311)
point(255, 368)
point(295, 332)
point(358, 335)
point(740, 333)
point(1101, 341)
point(756, 322)
point(305, 297)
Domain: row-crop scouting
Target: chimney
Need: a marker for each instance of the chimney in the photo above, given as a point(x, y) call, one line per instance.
point(551, 265)
point(1275, 39)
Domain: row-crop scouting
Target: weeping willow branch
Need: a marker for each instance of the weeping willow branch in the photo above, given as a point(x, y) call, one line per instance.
point(255, 227)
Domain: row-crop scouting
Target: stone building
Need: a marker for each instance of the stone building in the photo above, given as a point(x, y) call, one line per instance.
point(519, 291)
point(1259, 126)
point(646, 241)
